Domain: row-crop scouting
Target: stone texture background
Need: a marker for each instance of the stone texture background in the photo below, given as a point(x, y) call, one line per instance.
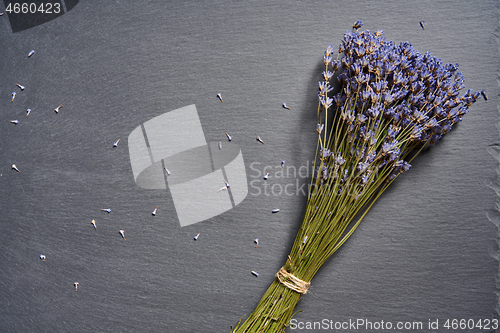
point(425, 251)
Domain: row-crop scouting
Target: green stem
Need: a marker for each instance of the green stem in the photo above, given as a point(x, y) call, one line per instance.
point(274, 311)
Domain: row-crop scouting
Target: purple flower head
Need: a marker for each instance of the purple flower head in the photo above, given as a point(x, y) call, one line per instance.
point(346, 175)
point(437, 101)
point(364, 178)
point(329, 50)
point(365, 95)
point(327, 60)
point(416, 87)
point(393, 131)
point(324, 173)
point(325, 152)
point(335, 65)
point(360, 51)
point(327, 75)
point(339, 160)
point(356, 68)
point(394, 155)
point(431, 124)
point(361, 119)
point(324, 88)
point(387, 148)
point(387, 98)
point(370, 157)
point(364, 133)
point(339, 99)
point(419, 117)
point(451, 68)
point(398, 78)
point(325, 101)
point(398, 164)
point(362, 166)
point(416, 133)
point(342, 78)
point(373, 112)
point(389, 112)
point(374, 97)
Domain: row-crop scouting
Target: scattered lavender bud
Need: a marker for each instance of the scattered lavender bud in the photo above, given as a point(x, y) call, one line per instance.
point(20, 86)
point(260, 140)
point(196, 237)
point(154, 211)
point(484, 95)
point(93, 224)
point(13, 121)
point(122, 233)
point(13, 96)
point(229, 137)
point(28, 111)
point(167, 171)
point(116, 143)
point(42, 257)
point(266, 176)
point(107, 210)
point(57, 109)
point(76, 286)
point(275, 210)
point(255, 273)
point(422, 24)
point(225, 187)
point(256, 241)
point(15, 168)
point(285, 107)
point(31, 53)
point(220, 145)
point(220, 97)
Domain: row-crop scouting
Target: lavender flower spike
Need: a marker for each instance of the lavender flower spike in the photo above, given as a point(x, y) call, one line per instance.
point(357, 25)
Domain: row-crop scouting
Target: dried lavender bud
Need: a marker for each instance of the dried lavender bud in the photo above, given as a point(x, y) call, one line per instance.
point(357, 25)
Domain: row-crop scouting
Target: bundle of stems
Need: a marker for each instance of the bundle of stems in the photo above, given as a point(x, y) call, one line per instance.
point(393, 101)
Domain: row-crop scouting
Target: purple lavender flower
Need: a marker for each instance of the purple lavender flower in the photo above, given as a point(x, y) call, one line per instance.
point(325, 152)
point(327, 59)
point(373, 112)
point(362, 166)
point(327, 75)
point(387, 148)
point(329, 50)
point(339, 161)
point(325, 101)
point(392, 99)
point(357, 25)
point(324, 88)
point(361, 119)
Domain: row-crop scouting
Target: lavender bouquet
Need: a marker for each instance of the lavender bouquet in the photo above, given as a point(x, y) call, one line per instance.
point(393, 102)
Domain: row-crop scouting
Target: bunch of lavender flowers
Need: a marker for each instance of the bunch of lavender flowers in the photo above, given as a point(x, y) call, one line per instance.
point(393, 101)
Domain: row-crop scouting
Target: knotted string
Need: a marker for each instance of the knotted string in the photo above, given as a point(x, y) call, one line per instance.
point(292, 282)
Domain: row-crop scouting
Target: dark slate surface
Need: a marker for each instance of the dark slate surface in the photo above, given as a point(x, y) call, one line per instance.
point(426, 251)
